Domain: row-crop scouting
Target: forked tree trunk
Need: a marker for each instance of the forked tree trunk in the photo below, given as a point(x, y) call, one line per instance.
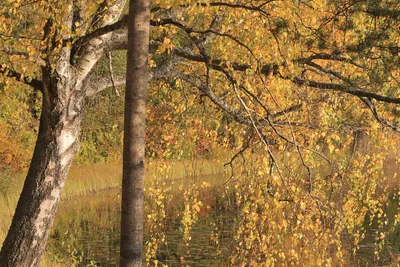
point(134, 134)
point(64, 87)
point(55, 149)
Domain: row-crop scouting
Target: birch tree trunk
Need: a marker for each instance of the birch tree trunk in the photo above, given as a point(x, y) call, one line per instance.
point(56, 146)
point(65, 84)
point(134, 135)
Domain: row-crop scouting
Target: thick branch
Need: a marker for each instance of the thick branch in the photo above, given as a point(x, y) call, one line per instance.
point(237, 114)
point(101, 31)
point(266, 69)
point(92, 49)
point(346, 89)
point(166, 70)
point(103, 83)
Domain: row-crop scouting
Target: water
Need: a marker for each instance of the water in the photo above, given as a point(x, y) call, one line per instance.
point(87, 229)
point(390, 254)
point(87, 232)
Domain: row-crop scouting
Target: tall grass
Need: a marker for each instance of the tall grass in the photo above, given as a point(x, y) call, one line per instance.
point(10, 189)
point(84, 180)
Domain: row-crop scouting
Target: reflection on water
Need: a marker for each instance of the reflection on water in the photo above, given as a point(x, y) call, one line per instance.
point(87, 232)
point(390, 253)
point(91, 227)
point(87, 229)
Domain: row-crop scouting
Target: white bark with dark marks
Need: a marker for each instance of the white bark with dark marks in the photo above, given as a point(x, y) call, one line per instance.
point(57, 144)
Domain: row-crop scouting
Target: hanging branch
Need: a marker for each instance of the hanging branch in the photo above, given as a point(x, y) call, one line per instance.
point(111, 73)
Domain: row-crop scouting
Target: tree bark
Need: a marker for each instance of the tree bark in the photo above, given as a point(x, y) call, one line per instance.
point(64, 85)
point(134, 134)
point(55, 149)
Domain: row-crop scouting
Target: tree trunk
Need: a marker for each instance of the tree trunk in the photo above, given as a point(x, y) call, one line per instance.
point(55, 149)
point(134, 134)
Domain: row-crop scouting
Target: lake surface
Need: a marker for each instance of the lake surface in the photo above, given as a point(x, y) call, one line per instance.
point(87, 232)
point(90, 226)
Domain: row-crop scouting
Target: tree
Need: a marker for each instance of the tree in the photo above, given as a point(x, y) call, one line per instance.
point(305, 74)
point(134, 134)
point(63, 86)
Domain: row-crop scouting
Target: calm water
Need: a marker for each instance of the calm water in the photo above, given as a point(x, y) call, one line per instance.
point(87, 230)
point(390, 252)
point(94, 234)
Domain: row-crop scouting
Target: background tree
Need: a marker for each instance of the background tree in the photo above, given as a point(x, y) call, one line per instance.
point(137, 80)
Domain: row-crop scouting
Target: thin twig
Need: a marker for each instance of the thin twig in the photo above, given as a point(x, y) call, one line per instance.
point(111, 73)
